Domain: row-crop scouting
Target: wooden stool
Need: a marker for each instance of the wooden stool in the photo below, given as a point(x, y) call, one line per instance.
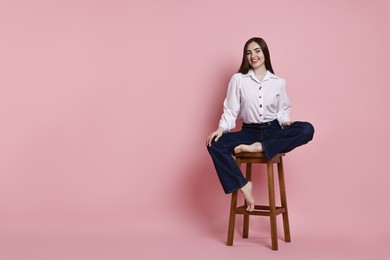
point(270, 210)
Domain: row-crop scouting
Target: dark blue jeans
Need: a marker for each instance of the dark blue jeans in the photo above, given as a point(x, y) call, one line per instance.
point(271, 135)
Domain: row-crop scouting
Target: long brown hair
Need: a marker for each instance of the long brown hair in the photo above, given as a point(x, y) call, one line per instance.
point(245, 67)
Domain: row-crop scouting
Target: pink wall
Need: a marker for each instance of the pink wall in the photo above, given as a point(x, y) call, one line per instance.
point(105, 107)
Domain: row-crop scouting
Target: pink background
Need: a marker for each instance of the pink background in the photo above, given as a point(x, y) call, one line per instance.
point(105, 107)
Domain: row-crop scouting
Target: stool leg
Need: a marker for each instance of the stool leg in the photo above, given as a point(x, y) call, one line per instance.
point(271, 195)
point(245, 232)
point(283, 198)
point(232, 219)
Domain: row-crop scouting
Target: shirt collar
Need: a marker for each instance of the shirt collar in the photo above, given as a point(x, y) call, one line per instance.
point(268, 75)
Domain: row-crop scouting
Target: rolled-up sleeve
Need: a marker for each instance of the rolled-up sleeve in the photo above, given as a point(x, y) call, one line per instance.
point(284, 106)
point(231, 105)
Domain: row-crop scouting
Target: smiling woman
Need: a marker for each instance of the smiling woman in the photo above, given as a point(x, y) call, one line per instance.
point(255, 56)
point(260, 99)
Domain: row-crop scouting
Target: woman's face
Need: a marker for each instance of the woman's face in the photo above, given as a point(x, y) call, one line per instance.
point(255, 55)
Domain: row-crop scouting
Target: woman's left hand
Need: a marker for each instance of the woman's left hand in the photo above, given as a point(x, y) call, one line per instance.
point(288, 123)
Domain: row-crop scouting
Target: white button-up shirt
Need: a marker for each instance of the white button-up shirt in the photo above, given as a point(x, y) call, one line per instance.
point(255, 101)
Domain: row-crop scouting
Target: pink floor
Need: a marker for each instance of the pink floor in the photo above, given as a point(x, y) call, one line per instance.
point(193, 238)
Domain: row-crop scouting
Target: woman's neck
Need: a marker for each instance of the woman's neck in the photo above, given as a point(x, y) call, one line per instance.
point(260, 72)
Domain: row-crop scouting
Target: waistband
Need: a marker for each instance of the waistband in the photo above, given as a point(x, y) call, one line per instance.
point(261, 124)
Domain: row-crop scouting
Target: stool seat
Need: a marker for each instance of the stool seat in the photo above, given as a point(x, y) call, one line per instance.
point(249, 154)
point(270, 210)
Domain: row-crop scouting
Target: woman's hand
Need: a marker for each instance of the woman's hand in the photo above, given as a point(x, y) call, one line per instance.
point(217, 134)
point(288, 123)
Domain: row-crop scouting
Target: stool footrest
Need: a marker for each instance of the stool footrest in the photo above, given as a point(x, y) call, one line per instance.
point(260, 210)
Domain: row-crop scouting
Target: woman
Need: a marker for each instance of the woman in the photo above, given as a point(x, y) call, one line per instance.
point(259, 98)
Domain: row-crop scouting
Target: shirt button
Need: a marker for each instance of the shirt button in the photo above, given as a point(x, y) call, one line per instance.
point(259, 96)
point(261, 105)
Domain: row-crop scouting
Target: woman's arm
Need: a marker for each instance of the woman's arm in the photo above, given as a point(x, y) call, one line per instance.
point(231, 105)
point(284, 107)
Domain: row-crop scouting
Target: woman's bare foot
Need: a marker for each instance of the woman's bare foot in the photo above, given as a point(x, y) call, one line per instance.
point(247, 193)
point(255, 147)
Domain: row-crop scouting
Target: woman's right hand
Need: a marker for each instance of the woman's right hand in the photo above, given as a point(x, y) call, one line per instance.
point(217, 134)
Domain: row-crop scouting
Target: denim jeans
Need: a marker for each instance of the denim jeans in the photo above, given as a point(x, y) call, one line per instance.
point(271, 135)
